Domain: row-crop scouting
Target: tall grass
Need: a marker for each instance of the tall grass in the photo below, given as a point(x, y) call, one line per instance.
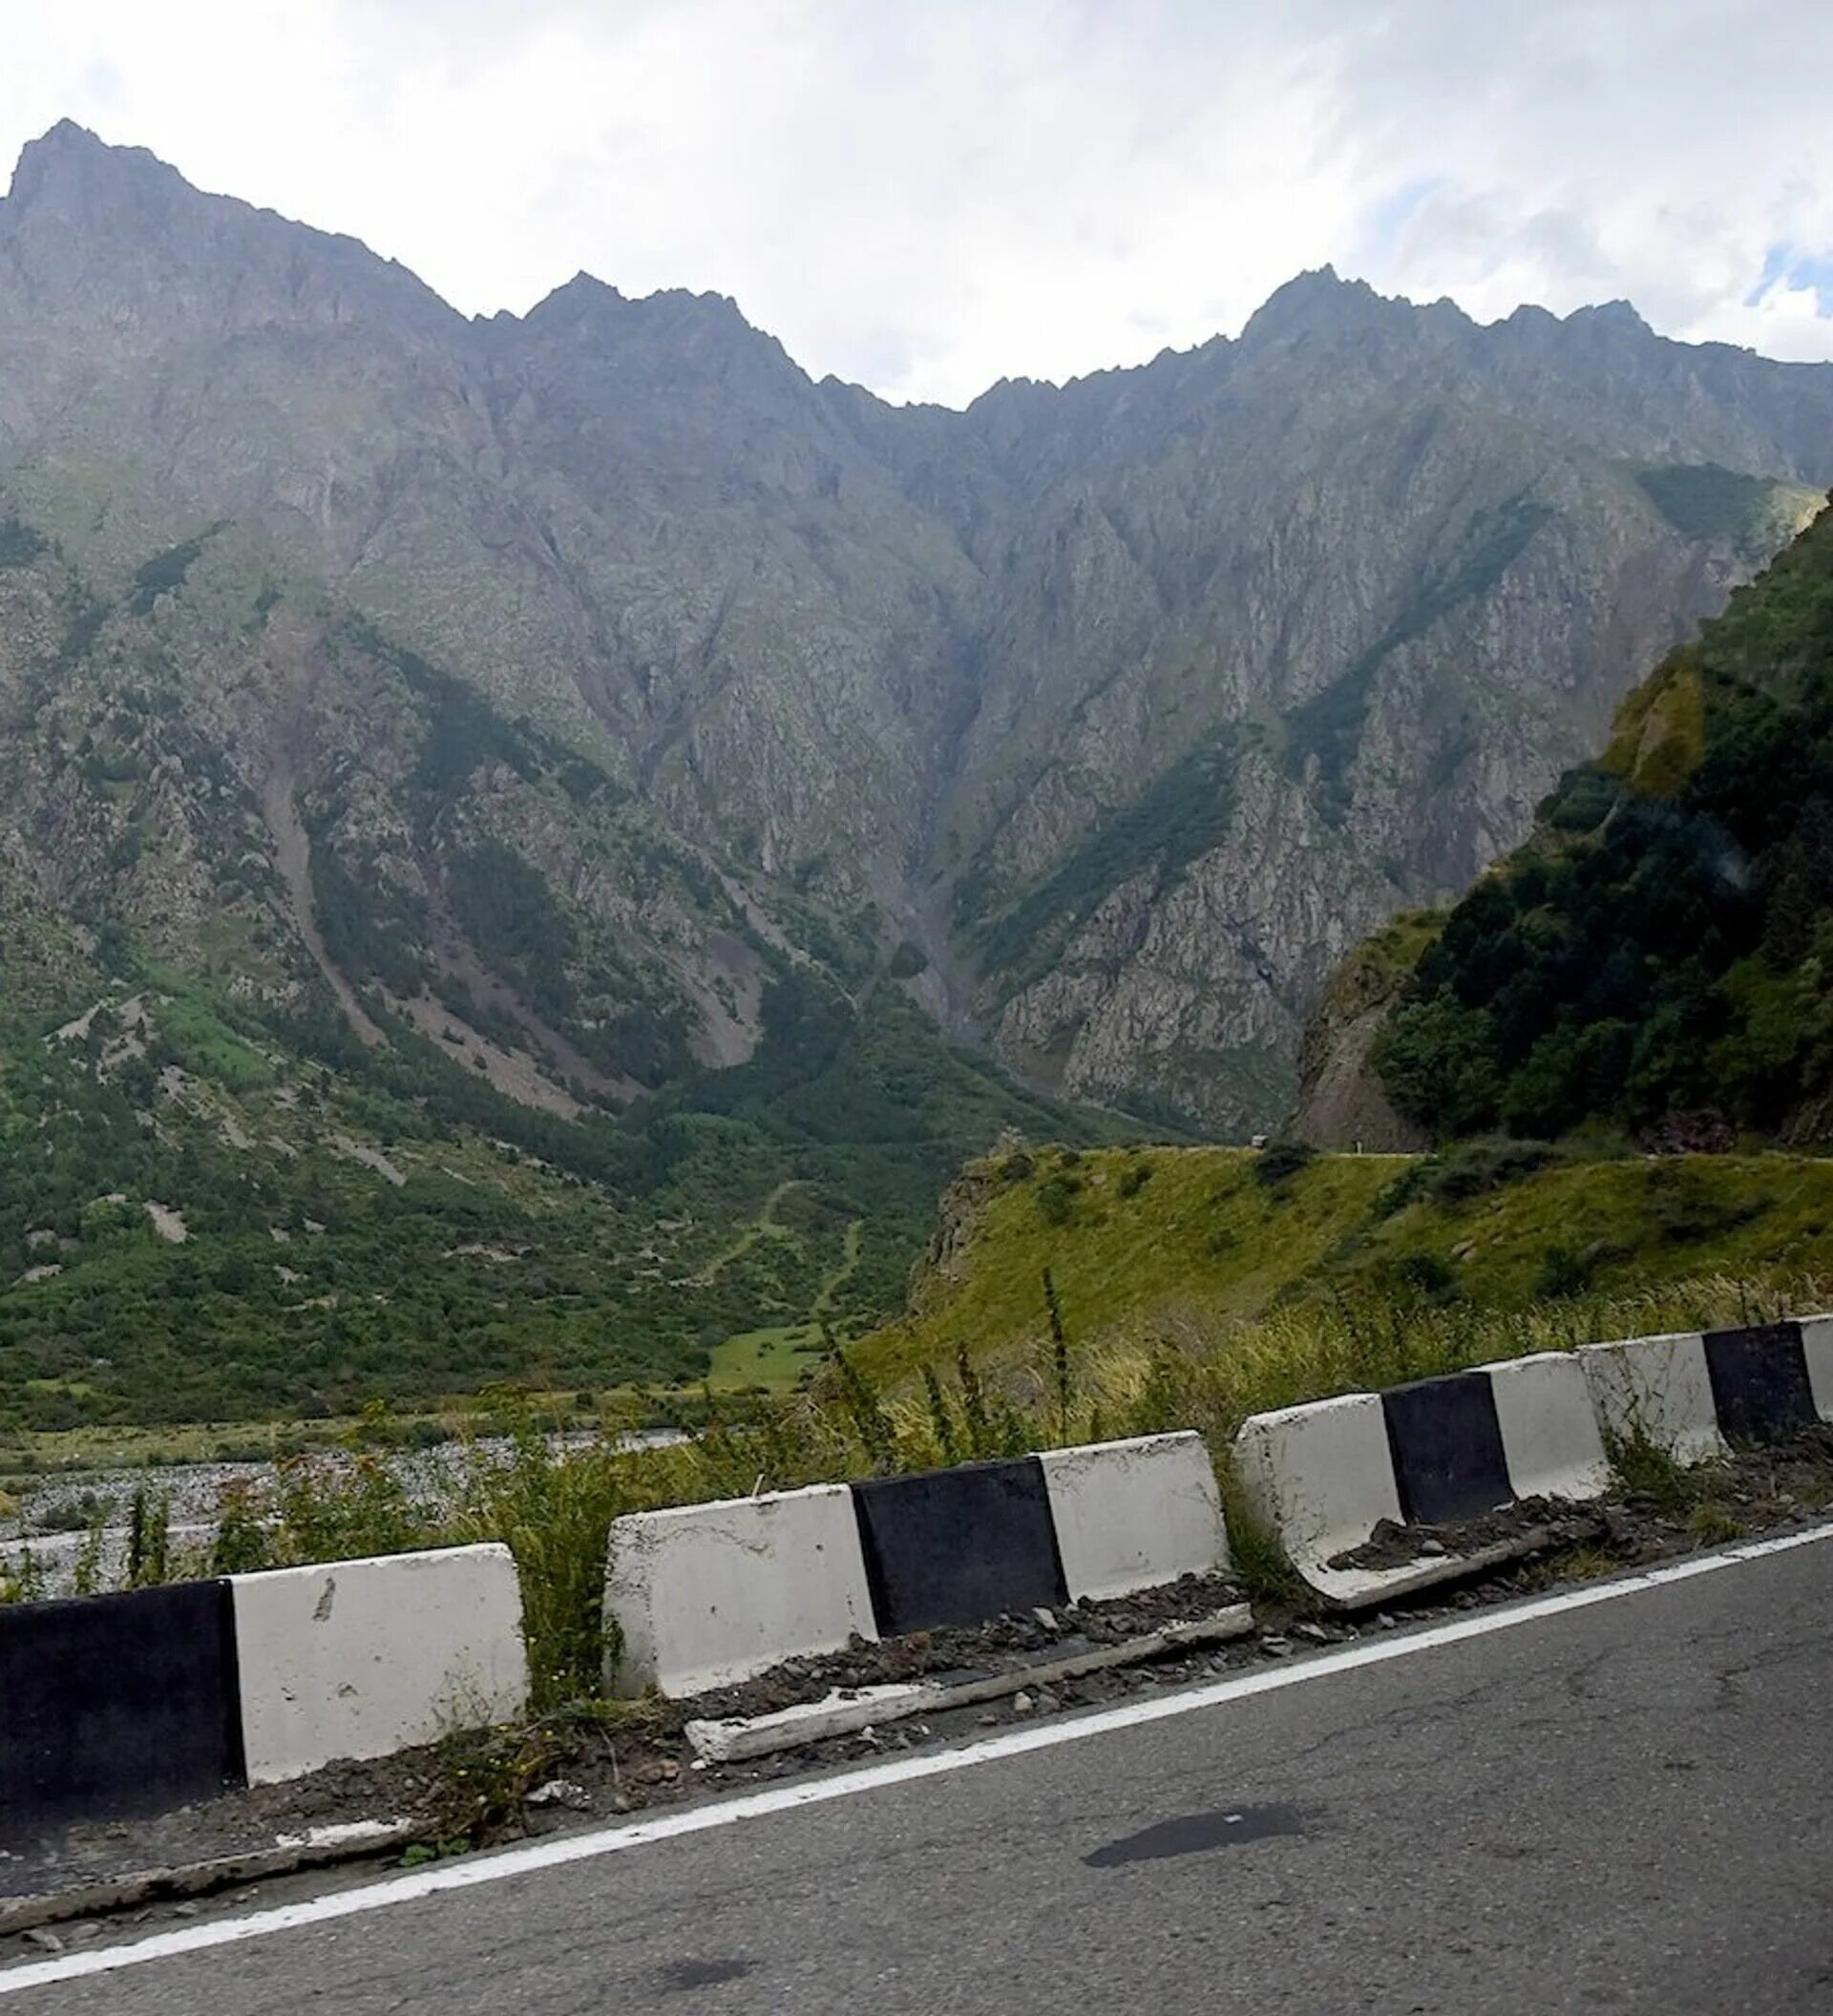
point(1181, 1372)
point(553, 1508)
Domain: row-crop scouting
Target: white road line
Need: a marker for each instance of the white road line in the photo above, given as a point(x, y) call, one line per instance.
point(556, 1854)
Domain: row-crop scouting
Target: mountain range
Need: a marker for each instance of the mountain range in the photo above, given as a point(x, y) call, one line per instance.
point(1101, 719)
point(583, 749)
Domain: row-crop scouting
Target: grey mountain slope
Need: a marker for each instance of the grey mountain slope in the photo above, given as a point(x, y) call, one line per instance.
point(1132, 702)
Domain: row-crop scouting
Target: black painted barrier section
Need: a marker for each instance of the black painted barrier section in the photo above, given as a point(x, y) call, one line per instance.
point(1446, 1444)
point(958, 1546)
point(1760, 1385)
point(112, 1706)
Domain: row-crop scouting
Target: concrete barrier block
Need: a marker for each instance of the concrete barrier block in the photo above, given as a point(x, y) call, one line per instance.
point(1446, 1443)
point(1135, 1514)
point(115, 1707)
point(1657, 1388)
point(1550, 1433)
point(1816, 1349)
point(710, 1595)
point(958, 1546)
point(361, 1658)
point(1321, 1477)
point(1761, 1390)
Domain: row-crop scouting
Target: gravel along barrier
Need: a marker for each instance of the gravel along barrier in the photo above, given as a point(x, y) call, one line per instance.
point(1341, 1481)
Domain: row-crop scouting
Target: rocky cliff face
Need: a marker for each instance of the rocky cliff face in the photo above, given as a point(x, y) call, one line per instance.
point(1342, 1104)
point(556, 680)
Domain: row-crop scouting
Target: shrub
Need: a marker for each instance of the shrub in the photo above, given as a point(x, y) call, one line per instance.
point(553, 1509)
point(1428, 1275)
point(1282, 1161)
point(1563, 1272)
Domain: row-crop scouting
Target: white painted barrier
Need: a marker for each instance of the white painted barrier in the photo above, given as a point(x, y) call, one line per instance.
point(1816, 1348)
point(1134, 1515)
point(1656, 1389)
point(710, 1595)
point(359, 1658)
point(1550, 1433)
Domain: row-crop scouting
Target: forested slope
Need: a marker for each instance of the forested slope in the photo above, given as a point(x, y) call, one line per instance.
point(1659, 956)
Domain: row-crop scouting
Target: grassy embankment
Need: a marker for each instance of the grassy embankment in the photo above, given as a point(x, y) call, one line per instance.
point(1194, 1245)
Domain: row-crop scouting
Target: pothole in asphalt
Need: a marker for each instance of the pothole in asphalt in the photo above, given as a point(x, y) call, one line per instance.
point(704, 1973)
point(1196, 1832)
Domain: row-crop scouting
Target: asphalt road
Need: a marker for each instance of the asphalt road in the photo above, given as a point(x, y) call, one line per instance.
point(1621, 1808)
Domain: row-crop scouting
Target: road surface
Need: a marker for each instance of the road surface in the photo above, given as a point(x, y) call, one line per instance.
point(1617, 1805)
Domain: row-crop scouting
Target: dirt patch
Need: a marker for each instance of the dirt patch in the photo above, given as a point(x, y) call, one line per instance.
point(1008, 1641)
point(169, 1223)
point(1715, 1502)
point(1550, 1521)
point(457, 961)
point(512, 1073)
point(371, 1158)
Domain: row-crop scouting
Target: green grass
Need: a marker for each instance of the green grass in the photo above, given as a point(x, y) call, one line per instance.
point(1627, 1223)
point(1197, 1233)
point(776, 1359)
point(765, 1226)
point(779, 1357)
point(1185, 1238)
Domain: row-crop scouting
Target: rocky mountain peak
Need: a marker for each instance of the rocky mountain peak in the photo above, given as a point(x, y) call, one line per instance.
point(587, 307)
point(1319, 299)
point(119, 234)
point(70, 185)
point(1612, 315)
point(70, 165)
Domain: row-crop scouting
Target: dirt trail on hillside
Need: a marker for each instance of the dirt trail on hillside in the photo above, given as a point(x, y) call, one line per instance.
point(293, 857)
point(291, 654)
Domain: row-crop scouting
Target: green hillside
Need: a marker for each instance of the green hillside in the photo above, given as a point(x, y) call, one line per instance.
point(205, 1221)
point(1659, 957)
point(1188, 1245)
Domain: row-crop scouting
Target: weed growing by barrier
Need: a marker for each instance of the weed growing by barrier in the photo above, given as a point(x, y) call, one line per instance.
point(553, 1508)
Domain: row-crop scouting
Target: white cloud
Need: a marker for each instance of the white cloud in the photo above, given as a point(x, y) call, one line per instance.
point(929, 198)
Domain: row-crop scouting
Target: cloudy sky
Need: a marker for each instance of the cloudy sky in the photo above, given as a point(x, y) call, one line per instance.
point(928, 195)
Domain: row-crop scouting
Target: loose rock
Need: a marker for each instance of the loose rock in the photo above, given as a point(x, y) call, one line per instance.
point(561, 1792)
